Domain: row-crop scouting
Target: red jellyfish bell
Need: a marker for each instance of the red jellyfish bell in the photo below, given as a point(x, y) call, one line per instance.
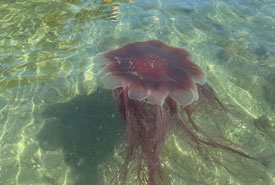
point(150, 82)
point(151, 70)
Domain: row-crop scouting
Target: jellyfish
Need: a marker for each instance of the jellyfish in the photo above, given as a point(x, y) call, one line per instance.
point(153, 84)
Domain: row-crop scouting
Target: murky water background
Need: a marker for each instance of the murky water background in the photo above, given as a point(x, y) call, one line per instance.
point(56, 129)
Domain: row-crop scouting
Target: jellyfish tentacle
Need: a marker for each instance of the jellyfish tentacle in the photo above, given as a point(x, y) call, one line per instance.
point(158, 139)
point(211, 142)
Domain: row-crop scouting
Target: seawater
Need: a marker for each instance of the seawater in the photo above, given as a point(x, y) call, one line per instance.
point(57, 126)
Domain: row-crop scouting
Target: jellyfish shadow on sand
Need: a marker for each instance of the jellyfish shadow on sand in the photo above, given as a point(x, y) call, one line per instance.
point(86, 130)
point(155, 85)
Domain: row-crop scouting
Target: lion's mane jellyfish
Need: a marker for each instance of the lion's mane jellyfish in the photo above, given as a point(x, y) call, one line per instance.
point(152, 85)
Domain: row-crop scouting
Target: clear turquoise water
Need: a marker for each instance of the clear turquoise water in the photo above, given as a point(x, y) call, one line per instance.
point(56, 129)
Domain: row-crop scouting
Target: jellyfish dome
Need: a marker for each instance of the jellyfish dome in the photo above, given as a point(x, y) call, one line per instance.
point(152, 70)
point(153, 85)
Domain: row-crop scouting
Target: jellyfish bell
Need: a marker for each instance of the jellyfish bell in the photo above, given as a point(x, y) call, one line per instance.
point(153, 84)
point(151, 70)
